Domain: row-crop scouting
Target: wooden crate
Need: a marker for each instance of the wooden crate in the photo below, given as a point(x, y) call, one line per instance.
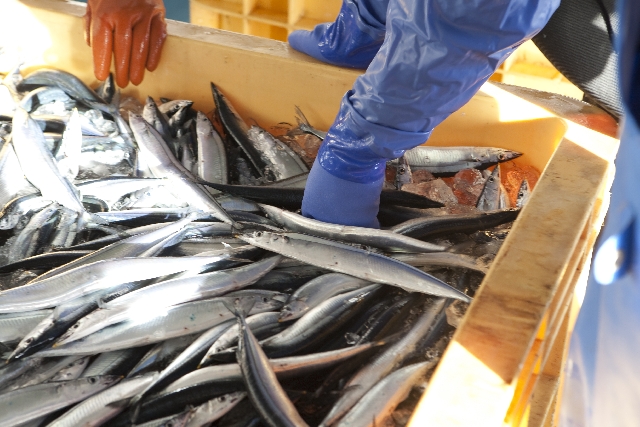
point(503, 365)
point(273, 19)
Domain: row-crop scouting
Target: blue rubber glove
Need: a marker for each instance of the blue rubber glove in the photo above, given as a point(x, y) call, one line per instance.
point(352, 40)
point(435, 57)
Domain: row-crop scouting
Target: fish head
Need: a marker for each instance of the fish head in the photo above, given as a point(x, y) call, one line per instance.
point(506, 155)
point(101, 381)
point(293, 310)
point(268, 301)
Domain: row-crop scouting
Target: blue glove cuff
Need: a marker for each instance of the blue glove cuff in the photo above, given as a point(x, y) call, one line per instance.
point(351, 41)
point(357, 150)
point(331, 199)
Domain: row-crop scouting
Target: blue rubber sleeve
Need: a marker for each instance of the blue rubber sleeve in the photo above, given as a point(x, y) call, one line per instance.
point(352, 40)
point(435, 56)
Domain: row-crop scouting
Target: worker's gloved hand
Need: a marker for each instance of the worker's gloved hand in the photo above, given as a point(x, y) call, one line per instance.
point(352, 40)
point(346, 179)
point(134, 30)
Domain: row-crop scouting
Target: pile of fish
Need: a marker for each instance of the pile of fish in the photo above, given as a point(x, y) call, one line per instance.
point(154, 271)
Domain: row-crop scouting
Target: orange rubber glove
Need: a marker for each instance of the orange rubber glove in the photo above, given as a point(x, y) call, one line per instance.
point(133, 29)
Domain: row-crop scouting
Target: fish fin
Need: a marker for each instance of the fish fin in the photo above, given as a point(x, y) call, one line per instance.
point(300, 117)
point(135, 403)
point(240, 307)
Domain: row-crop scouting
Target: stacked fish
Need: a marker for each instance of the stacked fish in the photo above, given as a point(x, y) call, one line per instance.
point(155, 273)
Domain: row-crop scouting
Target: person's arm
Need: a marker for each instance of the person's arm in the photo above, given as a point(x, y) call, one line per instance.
point(134, 30)
point(352, 40)
point(435, 57)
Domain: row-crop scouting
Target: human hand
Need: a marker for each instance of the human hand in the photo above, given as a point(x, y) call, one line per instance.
point(133, 29)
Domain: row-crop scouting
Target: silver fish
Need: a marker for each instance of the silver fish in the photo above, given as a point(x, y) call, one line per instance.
point(38, 164)
point(14, 326)
point(281, 161)
point(130, 247)
point(353, 261)
point(265, 392)
point(316, 291)
point(15, 209)
point(403, 173)
point(523, 194)
point(165, 165)
point(169, 293)
point(317, 322)
point(454, 159)
point(73, 86)
point(29, 403)
point(43, 95)
point(171, 107)
point(158, 120)
point(101, 407)
point(256, 323)
point(12, 180)
point(213, 409)
point(383, 364)
point(285, 367)
point(382, 399)
point(72, 371)
point(42, 373)
point(90, 277)
point(188, 357)
point(23, 246)
point(151, 326)
point(68, 155)
point(490, 197)
point(442, 259)
point(212, 157)
point(359, 235)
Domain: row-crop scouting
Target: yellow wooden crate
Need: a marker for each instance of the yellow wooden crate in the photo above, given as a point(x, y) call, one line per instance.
point(503, 364)
point(273, 19)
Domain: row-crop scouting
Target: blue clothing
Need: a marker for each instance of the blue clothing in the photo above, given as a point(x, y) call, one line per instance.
point(352, 40)
point(602, 382)
point(435, 56)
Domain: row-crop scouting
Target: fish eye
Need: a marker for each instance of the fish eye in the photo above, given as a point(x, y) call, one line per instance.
point(92, 380)
point(258, 233)
point(501, 156)
point(264, 299)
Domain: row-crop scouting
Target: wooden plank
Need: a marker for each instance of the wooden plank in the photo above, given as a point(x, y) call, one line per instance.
point(475, 380)
point(546, 389)
point(264, 79)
